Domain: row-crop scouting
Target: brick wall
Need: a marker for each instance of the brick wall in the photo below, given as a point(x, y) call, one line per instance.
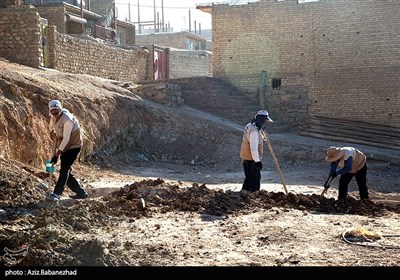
point(173, 40)
point(20, 40)
point(357, 61)
point(345, 53)
point(181, 63)
point(178, 40)
point(55, 16)
point(189, 63)
point(78, 56)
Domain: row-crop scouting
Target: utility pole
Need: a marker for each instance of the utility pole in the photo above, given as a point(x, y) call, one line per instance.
point(138, 17)
point(190, 22)
point(155, 16)
point(158, 22)
point(129, 12)
point(115, 18)
point(162, 15)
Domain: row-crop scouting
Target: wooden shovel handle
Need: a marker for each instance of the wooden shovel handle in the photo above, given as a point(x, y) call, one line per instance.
point(266, 139)
point(327, 184)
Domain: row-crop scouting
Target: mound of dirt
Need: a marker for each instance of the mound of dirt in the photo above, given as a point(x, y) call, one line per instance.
point(51, 231)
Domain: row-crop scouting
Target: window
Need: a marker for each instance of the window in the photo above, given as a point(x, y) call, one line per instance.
point(276, 83)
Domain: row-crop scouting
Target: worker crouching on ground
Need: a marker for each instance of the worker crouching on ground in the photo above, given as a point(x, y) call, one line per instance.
point(252, 149)
point(351, 163)
point(64, 129)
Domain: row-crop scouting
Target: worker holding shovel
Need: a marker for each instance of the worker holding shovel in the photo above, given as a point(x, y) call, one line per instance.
point(65, 130)
point(252, 149)
point(351, 163)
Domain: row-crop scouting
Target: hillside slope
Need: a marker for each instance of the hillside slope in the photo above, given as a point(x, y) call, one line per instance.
point(114, 120)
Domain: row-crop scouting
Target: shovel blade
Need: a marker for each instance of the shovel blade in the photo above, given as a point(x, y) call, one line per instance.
point(43, 186)
point(327, 185)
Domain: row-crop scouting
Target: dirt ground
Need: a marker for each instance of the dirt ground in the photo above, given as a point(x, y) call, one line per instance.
point(164, 189)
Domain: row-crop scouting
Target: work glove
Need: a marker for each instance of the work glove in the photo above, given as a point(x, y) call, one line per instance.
point(54, 160)
point(258, 165)
point(333, 174)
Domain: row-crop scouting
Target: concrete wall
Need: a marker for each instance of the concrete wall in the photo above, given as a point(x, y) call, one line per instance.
point(344, 53)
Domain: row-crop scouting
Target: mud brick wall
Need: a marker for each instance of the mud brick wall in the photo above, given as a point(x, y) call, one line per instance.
point(173, 40)
point(189, 63)
point(20, 40)
point(176, 40)
point(150, 61)
point(345, 53)
point(55, 16)
point(78, 56)
point(181, 63)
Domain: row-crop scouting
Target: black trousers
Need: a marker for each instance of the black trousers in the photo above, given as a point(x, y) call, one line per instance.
point(66, 177)
point(252, 176)
point(361, 178)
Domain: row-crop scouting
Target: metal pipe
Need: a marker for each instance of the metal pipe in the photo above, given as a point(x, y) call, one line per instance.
point(76, 19)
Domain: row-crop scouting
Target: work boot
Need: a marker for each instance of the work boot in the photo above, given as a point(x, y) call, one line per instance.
point(53, 197)
point(79, 196)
